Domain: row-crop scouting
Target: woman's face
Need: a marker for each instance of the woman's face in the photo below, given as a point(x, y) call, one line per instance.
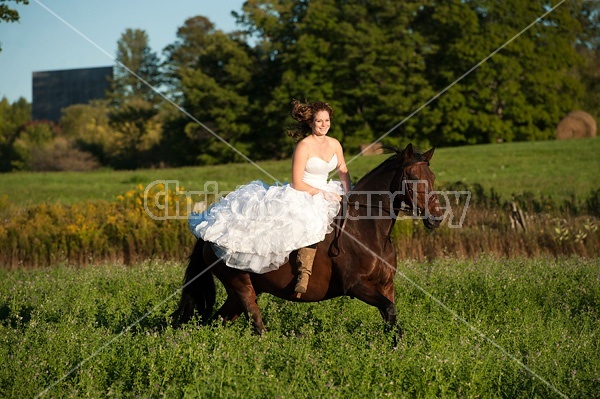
point(321, 123)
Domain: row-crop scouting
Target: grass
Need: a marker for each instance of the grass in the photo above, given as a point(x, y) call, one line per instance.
point(557, 169)
point(550, 168)
point(106, 324)
point(473, 328)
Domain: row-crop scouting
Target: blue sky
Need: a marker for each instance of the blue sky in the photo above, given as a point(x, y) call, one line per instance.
point(42, 42)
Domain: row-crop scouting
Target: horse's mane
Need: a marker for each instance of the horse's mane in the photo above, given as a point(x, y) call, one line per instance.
point(392, 163)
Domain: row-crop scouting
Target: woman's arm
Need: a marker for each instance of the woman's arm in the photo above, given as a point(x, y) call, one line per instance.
point(342, 168)
point(298, 165)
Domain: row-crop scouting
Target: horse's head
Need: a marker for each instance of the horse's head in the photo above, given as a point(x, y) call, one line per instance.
point(416, 186)
point(403, 182)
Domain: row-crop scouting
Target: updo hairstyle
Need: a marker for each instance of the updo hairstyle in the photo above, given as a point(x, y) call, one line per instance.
point(304, 114)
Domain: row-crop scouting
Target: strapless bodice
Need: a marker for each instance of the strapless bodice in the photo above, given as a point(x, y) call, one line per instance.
point(317, 171)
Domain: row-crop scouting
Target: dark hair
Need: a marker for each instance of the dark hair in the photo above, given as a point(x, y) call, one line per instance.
point(304, 114)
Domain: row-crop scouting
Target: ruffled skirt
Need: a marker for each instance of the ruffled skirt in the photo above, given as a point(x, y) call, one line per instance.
point(255, 227)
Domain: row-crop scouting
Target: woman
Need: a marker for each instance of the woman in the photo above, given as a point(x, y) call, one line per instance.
point(257, 226)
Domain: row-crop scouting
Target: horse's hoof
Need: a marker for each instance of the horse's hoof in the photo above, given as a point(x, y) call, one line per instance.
point(400, 334)
point(260, 331)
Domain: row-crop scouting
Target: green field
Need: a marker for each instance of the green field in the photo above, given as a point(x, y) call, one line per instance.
point(550, 168)
point(487, 327)
point(506, 329)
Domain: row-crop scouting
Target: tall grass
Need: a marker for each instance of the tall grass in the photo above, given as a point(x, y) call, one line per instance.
point(123, 231)
point(102, 332)
point(94, 231)
point(571, 228)
point(63, 228)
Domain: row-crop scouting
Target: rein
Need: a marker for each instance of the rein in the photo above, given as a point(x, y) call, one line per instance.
point(392, 208)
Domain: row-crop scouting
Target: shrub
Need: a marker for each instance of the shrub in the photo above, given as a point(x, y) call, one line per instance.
point(123, 231)
point(61, 155)
point(90, 232)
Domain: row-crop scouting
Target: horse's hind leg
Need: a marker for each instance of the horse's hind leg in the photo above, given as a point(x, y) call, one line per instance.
point(241, 298)
point(231, 309)
point(249, 300)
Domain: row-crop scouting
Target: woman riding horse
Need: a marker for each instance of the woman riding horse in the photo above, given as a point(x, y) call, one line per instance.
point(256, 227)
point(356, 258)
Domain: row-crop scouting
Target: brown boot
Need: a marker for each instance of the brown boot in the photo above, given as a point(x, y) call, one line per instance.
point(306, 256)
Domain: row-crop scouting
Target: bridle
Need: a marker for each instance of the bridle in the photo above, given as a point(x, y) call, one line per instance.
point(408, 207)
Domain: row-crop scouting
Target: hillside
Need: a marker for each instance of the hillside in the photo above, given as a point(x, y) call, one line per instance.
point(550, 168)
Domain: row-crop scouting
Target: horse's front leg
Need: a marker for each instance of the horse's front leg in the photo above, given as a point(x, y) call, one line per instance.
point(389, 314)
point(391, 326)
point(368, 293)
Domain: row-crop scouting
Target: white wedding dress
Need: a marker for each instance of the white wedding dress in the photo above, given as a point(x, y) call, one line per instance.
point(255, 227)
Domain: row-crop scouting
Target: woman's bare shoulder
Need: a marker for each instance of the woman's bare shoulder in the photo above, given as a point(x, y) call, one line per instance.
point(334, 142)
point(302, 147)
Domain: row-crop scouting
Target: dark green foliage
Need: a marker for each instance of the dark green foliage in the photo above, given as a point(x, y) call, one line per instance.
point(210, 71)
point(358, 56)
point(429, 72)
point(137, 74)
point(13, 118)
point(137, 131)
point(520, 93)
point(378, 63)
point(588, 47)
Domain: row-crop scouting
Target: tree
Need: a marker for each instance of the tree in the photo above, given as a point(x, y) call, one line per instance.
point(273, 27)
point(210, 73)
point(8, 14)
point(137, 73)
point(137, 132)
point(33, 137)
point(588, 48)
point(522, 92)
point(134, 102)
point(378, 64)
point(277, 29)
point(13, 118)
point(589, 74)
point(88, 126)
point(359, 56)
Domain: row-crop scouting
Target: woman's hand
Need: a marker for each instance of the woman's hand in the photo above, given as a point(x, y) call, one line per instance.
point(329, 196)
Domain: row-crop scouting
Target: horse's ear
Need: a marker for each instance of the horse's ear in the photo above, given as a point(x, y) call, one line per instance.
point(408, 152)
point(427, 156)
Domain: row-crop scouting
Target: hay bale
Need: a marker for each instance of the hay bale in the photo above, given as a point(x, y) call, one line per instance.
point(576, 125)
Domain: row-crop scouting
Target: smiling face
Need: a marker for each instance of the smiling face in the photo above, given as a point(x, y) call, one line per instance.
point(321, 123)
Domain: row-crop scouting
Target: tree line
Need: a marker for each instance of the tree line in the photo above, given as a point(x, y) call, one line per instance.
point(430, 72)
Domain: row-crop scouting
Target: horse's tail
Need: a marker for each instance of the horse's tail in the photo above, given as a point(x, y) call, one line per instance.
point(198, 293)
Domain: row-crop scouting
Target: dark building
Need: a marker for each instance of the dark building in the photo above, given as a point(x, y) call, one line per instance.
point(55, 90)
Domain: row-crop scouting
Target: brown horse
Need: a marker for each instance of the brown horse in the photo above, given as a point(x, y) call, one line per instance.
point(357, 259)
